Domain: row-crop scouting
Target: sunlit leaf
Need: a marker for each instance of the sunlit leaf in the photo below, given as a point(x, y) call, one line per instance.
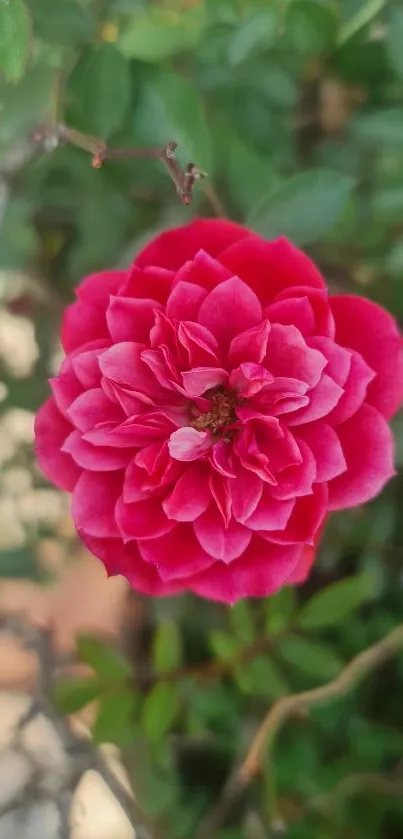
point(115, 718)
point(15, 39)
point(72, 694)
point(160, 709)
point(107, 661)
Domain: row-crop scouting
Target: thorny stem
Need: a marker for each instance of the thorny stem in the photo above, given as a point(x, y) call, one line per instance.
point(184, 179)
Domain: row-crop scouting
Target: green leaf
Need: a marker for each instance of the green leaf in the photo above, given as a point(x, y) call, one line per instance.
point(241, 621)
point(311, 27)
point(280, 609)
point(160, 710)
point(304, 207)
point(383, 127)
point(100, 87)
point(170, 109)
point(161, 33)
point(67, 23)
point(15, 39)
point(257, 32)
point(69, 695)
point(394, 40)
point(107, 661)
point(167, 647)
point(224, 645)
point(261, 677)
point(314, 659)
point(334, 603)
point(365, 13)
point(249, 176)
point(115, 718)
point(24, 106)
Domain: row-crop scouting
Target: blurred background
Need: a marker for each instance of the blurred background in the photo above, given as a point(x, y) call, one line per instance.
point(295, 110)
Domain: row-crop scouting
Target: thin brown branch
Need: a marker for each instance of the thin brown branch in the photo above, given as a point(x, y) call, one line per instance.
point(184, 179)
point(353, 673)
point(296, 705)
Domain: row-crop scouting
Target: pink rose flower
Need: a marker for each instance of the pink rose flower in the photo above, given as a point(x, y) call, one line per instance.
point(214, 405)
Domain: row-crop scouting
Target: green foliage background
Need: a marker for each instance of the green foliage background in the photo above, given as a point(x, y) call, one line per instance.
point(295, 109)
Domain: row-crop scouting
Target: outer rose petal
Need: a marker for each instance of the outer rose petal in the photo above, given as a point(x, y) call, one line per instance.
point(261, 570)
point(51, 430)
point(364, 326)
point(175, 247)
point(81, 323)
point(368, 448)
point(96, 288)
point(93, 503)
point(126, 560)
point(302, 569)
point(269, 267)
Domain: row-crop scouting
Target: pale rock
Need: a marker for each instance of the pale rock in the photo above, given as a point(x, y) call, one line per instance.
point(95, 813)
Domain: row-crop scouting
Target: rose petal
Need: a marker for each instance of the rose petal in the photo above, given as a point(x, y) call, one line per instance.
point(190, 496)
point(295, 311)
point(307, 516)
point(322, 399)
point(174, 247)
point(94, 458)
point(188, 444)
point(82, 323)
point(229, 309)
point(203, 270)
point(368, 448)
point(288, 355)
point(51, 430)
point(97, 288)
point(184, 301)
point(142, 519)
point(246, 492)
point(93, 503)
point(271, 564)
point(250, 345)
point(269, 267)
point(270, 513)
point(91, 408)
point(225, 543)
point(178, 555)
point(364, 326)
point(326, 448)
point(131, 320)
point(126, 560)
point(123, 364)
point(200, 379)
point(355, 390)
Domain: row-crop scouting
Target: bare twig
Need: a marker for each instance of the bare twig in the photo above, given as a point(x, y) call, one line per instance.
point(184, 179)
point(352, 674)
point(295, 705)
